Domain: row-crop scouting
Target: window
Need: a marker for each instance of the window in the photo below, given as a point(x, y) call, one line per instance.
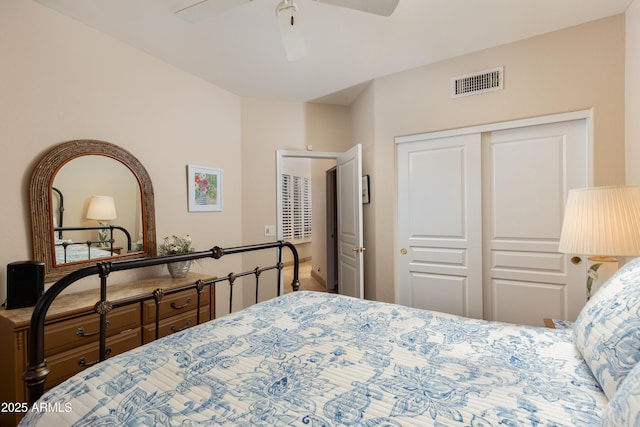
point(296, 207)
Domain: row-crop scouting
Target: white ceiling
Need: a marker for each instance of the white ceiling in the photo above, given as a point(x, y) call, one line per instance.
point(241, 50)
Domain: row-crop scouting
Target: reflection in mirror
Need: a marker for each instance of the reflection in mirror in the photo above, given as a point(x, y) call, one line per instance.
point(65, 220)
point(107, 194)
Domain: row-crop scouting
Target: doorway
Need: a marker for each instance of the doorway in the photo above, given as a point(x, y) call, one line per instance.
point(332, 229)
point(308, 204)
point(346, 254)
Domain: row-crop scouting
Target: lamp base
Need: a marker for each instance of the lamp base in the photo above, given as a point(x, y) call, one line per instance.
point(600, 269)
point(602, 259)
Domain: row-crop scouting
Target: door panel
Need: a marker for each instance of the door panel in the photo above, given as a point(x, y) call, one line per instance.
point(439, 225)
point(537, 295)
point(528, 172)
point(526, 181)
point(350, 244)
point(440, 290)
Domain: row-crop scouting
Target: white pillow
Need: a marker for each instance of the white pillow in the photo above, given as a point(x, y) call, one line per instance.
point(607, 330)
point(624, 408)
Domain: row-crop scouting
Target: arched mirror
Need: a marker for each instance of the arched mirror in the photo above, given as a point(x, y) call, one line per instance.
point(90, 201)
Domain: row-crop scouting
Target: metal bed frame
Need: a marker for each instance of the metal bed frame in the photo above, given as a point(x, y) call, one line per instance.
point(60, 210)
point(37, 369)
point(92, 243)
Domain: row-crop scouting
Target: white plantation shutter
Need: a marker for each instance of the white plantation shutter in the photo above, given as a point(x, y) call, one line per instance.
point(306, 207)
point(296, 207)
point(287, 207)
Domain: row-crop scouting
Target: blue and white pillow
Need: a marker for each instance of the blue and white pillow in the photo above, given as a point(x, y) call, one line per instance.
point(607, 331)
point(624, 408)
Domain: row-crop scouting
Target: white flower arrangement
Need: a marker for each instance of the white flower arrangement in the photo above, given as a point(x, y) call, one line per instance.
point(175, 245)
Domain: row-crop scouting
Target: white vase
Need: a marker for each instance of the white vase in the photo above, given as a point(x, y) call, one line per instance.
point(179, 269)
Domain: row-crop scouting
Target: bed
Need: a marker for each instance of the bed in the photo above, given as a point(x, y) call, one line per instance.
point(328, 360)
point(69, 251)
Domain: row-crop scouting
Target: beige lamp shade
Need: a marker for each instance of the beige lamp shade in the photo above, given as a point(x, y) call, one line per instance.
point(602, 221)
point(101, 208)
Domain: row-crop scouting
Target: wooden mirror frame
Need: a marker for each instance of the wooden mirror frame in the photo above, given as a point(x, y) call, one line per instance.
point(40, 200)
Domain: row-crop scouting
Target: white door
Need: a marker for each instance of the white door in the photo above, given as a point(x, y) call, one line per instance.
point(527, 174)
point(439, 225)
point(350, 246)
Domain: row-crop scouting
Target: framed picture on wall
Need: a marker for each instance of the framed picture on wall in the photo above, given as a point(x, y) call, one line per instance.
point(204, 187)
point(365, 189)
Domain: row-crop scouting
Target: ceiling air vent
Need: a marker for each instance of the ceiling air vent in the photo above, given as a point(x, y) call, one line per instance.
point(476, 83)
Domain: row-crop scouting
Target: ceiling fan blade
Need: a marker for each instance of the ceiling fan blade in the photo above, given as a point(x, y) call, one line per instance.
point(198, 10)
point(378, 7)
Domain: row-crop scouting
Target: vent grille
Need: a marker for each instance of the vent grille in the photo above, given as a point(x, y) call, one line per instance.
point(476, 83)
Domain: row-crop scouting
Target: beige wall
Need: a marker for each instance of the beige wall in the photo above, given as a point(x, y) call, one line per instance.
point(632, 92)
point(574, 69)
point(268, 126)
point(61, 81)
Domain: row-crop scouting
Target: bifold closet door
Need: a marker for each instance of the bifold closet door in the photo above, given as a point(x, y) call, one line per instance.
point(439, 225)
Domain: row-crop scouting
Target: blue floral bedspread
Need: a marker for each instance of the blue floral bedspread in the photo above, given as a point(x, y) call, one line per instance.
point(315, 359)
point(74, 253)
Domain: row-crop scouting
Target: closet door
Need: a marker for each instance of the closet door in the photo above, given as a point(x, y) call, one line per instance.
point(527, 174)
point(479, 218)
point(439, 224)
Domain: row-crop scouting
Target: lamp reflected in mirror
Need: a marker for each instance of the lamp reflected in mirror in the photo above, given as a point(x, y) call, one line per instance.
point(103, 209)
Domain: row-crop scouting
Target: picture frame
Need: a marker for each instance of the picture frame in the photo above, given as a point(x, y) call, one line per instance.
point(366, 198)
point(204, 189)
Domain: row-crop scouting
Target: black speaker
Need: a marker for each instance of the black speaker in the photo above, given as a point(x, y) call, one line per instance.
point(25, 283)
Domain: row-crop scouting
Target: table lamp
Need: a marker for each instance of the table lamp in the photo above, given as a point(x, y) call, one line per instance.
point(601, 223)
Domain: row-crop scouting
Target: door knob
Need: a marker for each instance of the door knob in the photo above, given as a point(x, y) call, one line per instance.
point(403, 251)
point(359, 249)
point(576, 260)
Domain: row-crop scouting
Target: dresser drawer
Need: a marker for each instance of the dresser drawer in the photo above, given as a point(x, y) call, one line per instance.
point(85, 329)
point(175, 324)
point(68, 363)
point(172, 305)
